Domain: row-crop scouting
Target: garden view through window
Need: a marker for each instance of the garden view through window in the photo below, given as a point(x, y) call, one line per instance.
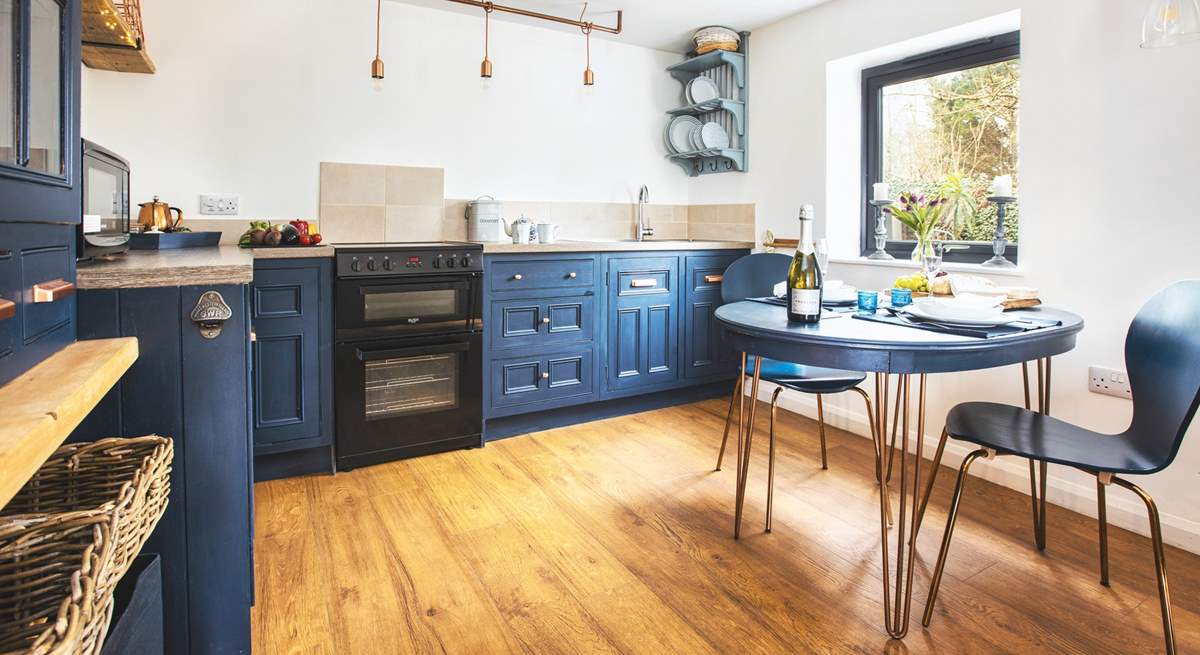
point(943, 126)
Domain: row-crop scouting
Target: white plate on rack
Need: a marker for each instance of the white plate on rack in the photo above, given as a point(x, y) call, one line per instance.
point(701, 89)
point(712, 135)
point(697, 137)
point(679, 132)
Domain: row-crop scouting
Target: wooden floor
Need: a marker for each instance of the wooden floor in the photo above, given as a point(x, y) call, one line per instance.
point(615, 536)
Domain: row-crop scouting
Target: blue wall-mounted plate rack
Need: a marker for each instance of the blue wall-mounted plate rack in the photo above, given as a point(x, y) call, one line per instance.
point(730, 72)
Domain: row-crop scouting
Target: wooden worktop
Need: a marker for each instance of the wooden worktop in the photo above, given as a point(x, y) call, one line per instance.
point(47, 402)
point(614, 246)
point(168, 268)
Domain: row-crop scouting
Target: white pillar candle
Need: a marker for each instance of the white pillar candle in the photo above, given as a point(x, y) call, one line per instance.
point(881, 191)
point(1002, 186)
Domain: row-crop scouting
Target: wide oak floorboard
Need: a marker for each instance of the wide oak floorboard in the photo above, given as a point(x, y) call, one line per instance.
point(616, 537)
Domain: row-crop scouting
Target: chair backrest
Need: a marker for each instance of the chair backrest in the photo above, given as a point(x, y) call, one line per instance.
point(1162, 353)
point(754, 276)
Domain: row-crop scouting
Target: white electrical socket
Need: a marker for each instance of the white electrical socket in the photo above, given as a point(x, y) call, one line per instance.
point(1110, 382)
point(218, 204)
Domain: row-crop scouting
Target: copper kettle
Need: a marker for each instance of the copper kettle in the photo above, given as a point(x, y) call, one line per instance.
point(155, 215)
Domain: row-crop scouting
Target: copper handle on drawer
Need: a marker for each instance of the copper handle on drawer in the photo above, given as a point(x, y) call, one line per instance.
point(545, 319)
point(638, 284)
point(572, 275)
point(253, 335)
point(713, 279)
point(545, 375)
point(8, 309)
point(52, 291)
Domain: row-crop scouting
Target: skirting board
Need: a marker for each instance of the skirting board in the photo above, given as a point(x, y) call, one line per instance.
point(1063, 489)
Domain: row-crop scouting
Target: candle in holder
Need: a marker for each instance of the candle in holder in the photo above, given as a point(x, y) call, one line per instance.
point(1002, 186)
point(881, 191)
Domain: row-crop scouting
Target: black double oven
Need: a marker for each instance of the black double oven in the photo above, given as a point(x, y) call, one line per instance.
point(408, 366)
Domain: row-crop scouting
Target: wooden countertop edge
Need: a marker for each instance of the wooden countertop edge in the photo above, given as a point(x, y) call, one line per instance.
point(500, 248)
point(47, 402)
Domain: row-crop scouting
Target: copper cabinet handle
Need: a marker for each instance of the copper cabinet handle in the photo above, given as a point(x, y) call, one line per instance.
point(572, 275)
point(545, 375)
point(518, 276)
point(546, 319)
point(8, 309)
point(52, 291)
point(638, 284)
point(713, 279)
point(253, 335)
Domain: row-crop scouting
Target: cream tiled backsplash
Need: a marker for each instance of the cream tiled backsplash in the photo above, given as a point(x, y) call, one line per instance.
point(374, 203)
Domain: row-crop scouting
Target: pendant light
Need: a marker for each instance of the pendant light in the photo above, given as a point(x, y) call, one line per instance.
point(377, 63)
point(1171, 22)
point(589, 78)
point(485, 67)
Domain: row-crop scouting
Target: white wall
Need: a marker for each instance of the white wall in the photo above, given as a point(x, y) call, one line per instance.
point(1109, 143)
point(250, 96)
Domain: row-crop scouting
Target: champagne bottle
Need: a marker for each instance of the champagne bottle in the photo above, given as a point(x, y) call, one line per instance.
point(804, 277)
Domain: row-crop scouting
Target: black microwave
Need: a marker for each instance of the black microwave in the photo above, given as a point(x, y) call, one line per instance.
point(105, 226)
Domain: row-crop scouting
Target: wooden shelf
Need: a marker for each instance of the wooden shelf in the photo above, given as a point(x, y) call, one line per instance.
point(111, 42)
point(47, 402)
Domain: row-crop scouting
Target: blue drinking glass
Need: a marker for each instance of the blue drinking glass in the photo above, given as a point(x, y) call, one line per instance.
point(901, 297)
point(868, 302)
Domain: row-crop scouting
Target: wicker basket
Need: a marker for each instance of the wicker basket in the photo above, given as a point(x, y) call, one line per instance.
point(48, 603)
point(128, 478)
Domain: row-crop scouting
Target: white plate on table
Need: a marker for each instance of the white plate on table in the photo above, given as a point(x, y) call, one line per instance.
point(679, 132)
point(701, 89)
point(957, 313)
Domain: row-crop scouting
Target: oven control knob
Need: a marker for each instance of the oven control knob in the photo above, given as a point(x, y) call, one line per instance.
point(450, 262)
point(437, 261)
point(466, 261)
point(370, 264)
point(387, 264)
point(355, 265)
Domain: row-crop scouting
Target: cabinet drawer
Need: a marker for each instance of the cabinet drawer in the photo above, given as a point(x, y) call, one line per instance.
point(538, 274)
point(705, 273)
point(46, 307)
point(541, 322)
point(539, 377)
point(645, 276)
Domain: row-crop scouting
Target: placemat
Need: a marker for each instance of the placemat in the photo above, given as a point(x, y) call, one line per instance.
point(1023, 324)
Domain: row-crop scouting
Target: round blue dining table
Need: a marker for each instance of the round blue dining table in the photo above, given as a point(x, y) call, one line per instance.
point(841, 341)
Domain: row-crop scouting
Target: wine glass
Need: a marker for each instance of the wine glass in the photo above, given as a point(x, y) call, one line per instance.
point(823, 256)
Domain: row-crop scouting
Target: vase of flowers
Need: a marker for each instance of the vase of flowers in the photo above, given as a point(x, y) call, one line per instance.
point(922, 216)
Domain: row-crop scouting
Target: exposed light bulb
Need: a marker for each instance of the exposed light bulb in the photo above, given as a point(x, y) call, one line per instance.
point(377, 84)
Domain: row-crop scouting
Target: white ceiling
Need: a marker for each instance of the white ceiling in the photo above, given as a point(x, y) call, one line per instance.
point(659, 24)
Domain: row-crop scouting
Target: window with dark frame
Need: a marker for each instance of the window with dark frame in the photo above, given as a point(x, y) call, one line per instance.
point(944, 123)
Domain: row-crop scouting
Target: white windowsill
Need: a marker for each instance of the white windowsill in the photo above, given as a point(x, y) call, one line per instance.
point(909, 264)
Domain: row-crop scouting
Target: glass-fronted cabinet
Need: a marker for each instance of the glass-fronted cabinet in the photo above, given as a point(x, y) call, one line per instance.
point(39, 110)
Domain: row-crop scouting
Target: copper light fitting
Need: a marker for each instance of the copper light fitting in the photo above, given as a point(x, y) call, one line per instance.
point(534, 14)
point(485, 67)
point(377, 63)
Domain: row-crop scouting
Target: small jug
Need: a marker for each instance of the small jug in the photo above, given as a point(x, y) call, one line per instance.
point(547, 232)
point(521, 229)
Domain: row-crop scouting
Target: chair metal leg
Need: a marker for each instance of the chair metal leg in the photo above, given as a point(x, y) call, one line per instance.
point(873, 421)
point(1102, 521)
point(737, 391)
point(771, 457)
point(746, 451)
point(950, 519)
point(821, 431)
point(1160, 563)
point(937, 463)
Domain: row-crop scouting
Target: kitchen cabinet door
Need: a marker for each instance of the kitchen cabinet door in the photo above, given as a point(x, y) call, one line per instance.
point(291, 361)
point(40, 62)
point(706, 352)
point(643, 322)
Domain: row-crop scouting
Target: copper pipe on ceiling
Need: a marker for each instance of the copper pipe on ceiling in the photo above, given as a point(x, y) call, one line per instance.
point(534, 14)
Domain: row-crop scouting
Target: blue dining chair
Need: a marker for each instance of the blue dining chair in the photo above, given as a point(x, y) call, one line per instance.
point(1162, 353)
point(755, 276)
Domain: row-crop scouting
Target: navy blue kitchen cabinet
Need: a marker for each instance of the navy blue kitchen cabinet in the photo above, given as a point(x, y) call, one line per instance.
point(291, 304)
point(643, 323)
point(195, 390)
point(706, 352)
point(576, 332)
point(39, 139)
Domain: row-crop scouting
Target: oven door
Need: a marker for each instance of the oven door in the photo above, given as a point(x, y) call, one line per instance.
point(369, 308)
point(405, 397)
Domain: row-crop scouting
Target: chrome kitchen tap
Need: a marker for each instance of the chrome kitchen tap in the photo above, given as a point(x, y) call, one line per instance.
point(643, 230)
